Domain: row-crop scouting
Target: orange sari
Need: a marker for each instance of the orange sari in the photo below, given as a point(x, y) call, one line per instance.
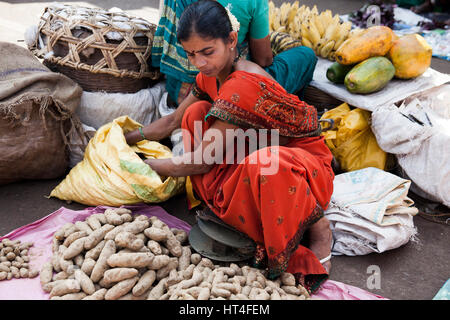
point(273, 210)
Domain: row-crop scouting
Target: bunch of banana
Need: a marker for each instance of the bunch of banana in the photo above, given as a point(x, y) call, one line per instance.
point(280, 41)
point(355, 32)
point(282, 19)
point(323, 32)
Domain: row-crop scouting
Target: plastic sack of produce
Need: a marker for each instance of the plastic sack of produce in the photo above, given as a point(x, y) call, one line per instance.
point(370, 212)
point(112, 173)
point(99, 108)
point(417, 133)
point(351, 141)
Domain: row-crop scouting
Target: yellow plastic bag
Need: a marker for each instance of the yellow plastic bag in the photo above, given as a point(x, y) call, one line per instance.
point(191, 199)
point(112, 173)
point(352, 141)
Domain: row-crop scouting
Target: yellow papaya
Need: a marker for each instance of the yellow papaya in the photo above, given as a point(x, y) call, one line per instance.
point(372, 42)
point(410, 55)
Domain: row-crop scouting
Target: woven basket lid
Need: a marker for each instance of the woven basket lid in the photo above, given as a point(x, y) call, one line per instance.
point(84, 29)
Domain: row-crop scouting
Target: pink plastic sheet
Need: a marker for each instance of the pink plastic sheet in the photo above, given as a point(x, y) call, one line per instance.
point(335, 290)
point(41, 232)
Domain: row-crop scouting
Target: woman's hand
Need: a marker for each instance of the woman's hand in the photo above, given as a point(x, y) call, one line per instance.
point(160, 166)
point(182, 166)
point(163, 127)
point(199, 161)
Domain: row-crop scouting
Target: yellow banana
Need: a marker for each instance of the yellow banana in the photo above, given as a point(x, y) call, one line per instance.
point(313, 34)
point(326, 49)
point(332, 56)
point(322, 20)
point(306, 13)
point(292, 26)
point(306, 42)
point(271, 8)
point(344, 30)
point(335, 28)
point(316, 48)
point(327, 18)
point(280, 13)
point(281, 29)
point(311, 22)
point(301, 10)
point(295, 26)
point(335, 19)
point(285, 8)
point(276, 19)
point(314, 10)
point(332, 30)
point(318, 24)
point(292, 13)
point(304, 31)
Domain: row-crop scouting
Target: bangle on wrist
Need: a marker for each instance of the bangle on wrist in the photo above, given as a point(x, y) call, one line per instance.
point(142, 133)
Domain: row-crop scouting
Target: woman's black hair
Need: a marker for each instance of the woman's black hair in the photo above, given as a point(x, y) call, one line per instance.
point(207, 18)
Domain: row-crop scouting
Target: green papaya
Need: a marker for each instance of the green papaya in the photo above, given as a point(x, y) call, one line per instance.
point(370, 75)
point(336, 72)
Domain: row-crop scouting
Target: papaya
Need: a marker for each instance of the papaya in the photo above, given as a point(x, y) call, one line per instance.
point(410, 55)
point(369, 76)
point(372, 42)
point(336, 72)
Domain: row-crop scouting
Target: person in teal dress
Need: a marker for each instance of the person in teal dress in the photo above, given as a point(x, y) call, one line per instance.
point(293, 69)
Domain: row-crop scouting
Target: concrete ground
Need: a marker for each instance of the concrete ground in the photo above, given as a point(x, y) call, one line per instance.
point(415, 271)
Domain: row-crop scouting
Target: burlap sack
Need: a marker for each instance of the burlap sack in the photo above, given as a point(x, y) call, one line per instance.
point(36, 116)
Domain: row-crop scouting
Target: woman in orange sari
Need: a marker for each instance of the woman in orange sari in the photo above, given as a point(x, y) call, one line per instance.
point(274, 193)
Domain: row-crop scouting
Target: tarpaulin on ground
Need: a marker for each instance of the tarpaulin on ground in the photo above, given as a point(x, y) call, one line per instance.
point(41, 232)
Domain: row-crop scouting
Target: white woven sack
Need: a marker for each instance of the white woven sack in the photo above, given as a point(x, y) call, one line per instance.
point(370, 212)
point(422, 149)
point(99, 108)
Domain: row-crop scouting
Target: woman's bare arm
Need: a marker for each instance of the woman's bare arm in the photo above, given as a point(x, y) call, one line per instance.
point(202, 159)
point(162, 127)
point(261, 51)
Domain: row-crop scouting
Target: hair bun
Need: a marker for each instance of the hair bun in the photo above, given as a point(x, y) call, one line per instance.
point(235, 25)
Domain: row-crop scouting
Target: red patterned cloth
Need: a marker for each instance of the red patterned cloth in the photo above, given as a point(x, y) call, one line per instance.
point(250, 100)
point(274, 210)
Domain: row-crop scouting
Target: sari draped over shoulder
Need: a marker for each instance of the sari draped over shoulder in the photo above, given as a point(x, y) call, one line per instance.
point(273, 209)
point(253, 101)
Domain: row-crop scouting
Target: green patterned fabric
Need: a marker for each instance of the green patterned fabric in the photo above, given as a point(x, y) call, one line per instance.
point(167, 52)
point(293, 69)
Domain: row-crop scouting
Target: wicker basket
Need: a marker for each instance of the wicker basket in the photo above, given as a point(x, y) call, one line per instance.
point(100, 50)
point(320, 99)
